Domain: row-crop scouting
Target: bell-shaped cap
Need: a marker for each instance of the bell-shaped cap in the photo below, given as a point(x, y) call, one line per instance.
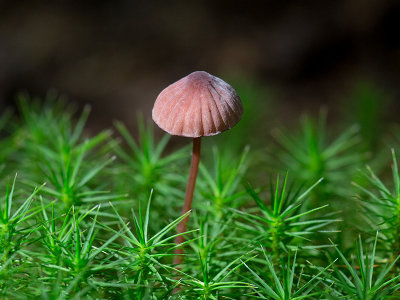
point(199, 104)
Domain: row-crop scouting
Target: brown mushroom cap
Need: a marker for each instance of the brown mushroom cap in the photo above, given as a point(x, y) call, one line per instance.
point(199, 104)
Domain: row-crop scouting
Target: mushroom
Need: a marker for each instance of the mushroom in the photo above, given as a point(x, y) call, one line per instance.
point(197, 105)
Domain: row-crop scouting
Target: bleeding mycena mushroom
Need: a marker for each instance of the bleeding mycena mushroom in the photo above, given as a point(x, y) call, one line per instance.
point(197, 105)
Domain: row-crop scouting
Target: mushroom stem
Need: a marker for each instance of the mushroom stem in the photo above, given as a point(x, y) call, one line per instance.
point(194, 168)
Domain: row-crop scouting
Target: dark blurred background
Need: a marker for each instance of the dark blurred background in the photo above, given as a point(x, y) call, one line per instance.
point(118, 55)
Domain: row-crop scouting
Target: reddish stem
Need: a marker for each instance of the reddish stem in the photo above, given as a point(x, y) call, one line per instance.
point(194, 168)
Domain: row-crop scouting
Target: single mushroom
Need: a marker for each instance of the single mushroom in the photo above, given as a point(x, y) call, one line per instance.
point(197, 105)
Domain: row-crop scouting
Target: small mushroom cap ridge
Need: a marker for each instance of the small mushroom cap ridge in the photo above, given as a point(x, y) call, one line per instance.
point(199, 104)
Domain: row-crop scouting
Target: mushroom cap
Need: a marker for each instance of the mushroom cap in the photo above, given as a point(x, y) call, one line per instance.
point(199, 104)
